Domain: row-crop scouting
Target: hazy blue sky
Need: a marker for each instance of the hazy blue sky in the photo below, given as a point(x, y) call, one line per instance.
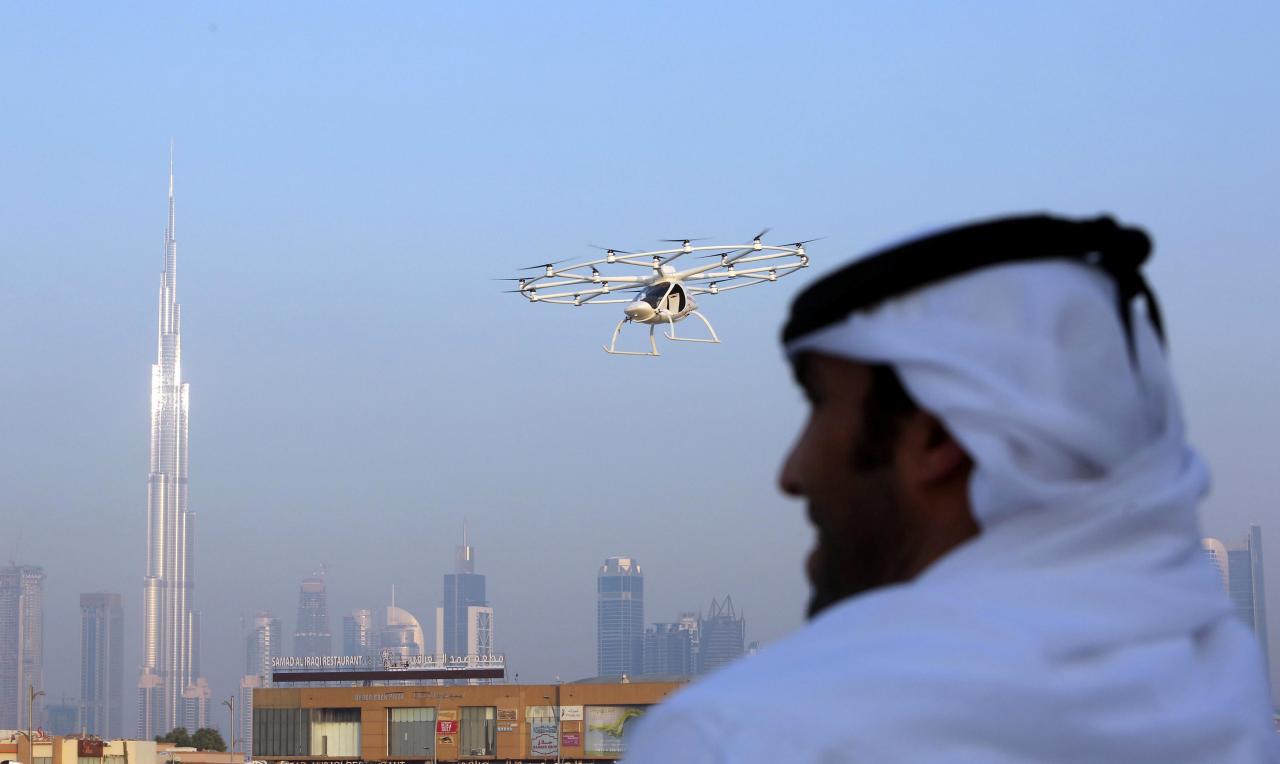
point(348, 181)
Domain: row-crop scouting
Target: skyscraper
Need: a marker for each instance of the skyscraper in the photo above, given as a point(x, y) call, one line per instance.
point(668, 651)
point(169, 654)
point(464, 624)
point(195, 705)
point(358, 636)
point(312, 637)
point(723, 636)
point(620, 618)
point(101, 710)
point(1244, 581)
point(61, 717)
point(264, 641)
point(401, 633)
point(21, 644)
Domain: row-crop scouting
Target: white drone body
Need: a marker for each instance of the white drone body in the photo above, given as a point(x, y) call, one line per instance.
point(660, 294)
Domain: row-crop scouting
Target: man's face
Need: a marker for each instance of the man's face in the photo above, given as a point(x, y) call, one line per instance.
point(864, 527)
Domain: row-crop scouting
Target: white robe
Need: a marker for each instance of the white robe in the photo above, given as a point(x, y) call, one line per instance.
point(1083, 624)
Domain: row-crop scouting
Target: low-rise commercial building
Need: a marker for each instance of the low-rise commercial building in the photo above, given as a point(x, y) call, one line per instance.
point(71, 750)
point(503, 722)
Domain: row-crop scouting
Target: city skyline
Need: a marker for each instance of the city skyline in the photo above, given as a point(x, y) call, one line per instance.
point(352, 180)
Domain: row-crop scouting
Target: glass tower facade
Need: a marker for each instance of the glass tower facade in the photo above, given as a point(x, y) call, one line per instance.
point(264, 642)
point(464, 589)
point(620, 618)
point(312, 637)
point(101, 710)
point(723, 636)
point(21, 644)
point(1240, 568)
point(169, 647)
point(358, 635)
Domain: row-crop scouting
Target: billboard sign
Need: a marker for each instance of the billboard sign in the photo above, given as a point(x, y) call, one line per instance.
point(606, 727)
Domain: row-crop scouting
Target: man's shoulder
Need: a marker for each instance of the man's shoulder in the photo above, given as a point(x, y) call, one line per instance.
point(836, 649)
point(866, 648)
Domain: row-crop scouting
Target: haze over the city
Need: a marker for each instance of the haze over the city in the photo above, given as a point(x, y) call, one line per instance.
point(347, 184)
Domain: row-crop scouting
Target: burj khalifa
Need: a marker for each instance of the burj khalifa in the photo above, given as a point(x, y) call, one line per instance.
point(170, 661)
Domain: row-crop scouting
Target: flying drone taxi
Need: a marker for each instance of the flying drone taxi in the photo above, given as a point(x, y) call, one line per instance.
point(661, 295)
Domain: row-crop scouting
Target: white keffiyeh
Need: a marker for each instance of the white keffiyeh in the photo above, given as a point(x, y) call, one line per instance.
point(1083, 624)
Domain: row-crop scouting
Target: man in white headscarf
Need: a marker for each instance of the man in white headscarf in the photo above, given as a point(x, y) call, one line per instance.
point(1008, 565)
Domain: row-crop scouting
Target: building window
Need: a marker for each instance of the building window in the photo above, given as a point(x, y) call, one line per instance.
point(479, 731)
point(335, 732)
point(281, 731)
point(411, 733)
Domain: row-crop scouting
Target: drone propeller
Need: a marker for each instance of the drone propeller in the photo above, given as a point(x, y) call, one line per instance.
point(682, 241)
point(721, 254)
point(806, 241)
point(760, 235)
point(543, 265)
point(611, 249)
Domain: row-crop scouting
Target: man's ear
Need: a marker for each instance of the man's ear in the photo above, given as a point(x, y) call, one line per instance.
point(927, 454)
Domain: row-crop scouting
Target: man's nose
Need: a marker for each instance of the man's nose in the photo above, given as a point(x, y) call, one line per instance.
point(789, 477)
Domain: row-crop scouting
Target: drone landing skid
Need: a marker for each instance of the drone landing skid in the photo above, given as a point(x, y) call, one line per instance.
point(613, 343)
point(714, 339)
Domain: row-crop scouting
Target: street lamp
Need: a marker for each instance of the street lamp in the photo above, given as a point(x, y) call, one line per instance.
point(230, 703)
point(31, 703)
point(557, 713)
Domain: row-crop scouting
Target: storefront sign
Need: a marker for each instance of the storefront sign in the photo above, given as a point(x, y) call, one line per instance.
point(508, 714)
point(570, 713)
point(446, 727)
point(570, 739)
point(539, 712)
point(89, 749)
point(388, 660)
point(542, 739)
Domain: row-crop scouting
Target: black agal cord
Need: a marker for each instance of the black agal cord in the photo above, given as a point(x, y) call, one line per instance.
point(893, 272)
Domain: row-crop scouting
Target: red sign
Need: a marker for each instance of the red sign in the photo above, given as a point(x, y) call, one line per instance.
point(570, 739)
point(89, 749)
point(447, 727)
